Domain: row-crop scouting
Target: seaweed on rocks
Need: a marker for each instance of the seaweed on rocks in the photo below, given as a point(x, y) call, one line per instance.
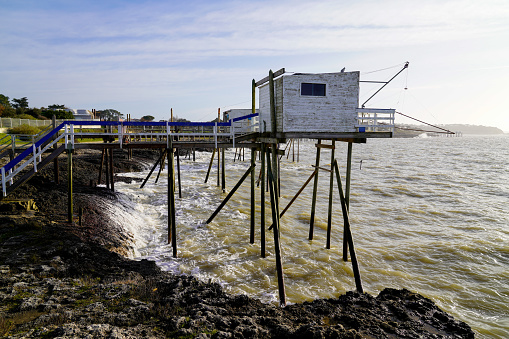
point(65, 281)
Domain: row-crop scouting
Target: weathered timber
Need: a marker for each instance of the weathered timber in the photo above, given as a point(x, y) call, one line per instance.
point(232, 192)
point(347, 197)
point(153, 168)
point(210, 165)
point(329, 214)
point(253, 203)
point(276, 232)
point(275, 75)
point(315, 189)
point(262, 203)
point(70, 210)
point(348, 232)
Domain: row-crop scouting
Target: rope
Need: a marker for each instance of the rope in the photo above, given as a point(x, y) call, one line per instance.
point(384, 69)
point(443, 129)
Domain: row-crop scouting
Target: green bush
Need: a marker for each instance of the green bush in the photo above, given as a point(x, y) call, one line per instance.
point(25, 116)
point(24, 129)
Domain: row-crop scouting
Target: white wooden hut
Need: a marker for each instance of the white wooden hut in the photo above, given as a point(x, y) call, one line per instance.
point(244, 125)
point(321, 103)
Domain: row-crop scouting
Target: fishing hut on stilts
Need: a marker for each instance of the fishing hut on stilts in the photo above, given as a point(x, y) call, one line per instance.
point(298, 106)
point(292, 106)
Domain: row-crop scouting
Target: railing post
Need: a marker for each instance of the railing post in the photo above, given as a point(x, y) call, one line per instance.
point(120, 134)
point(34, 151)
point(215, 134)
point(4, 188)
point(168, 134)
point(232, 131)
point(66, 135)
point(72, 135)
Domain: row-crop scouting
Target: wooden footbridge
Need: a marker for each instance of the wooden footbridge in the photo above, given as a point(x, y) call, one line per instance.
point(278, 121)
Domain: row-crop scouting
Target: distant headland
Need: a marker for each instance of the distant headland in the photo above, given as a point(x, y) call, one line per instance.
point(410, 131)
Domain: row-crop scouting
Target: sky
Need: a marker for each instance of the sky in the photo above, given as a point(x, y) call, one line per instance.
point(195, 57)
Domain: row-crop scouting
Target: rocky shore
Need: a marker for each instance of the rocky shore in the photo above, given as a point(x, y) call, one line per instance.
point(65, 281)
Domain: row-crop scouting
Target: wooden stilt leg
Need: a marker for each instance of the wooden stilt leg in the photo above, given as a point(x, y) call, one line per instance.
point(112, 180)
point(178, 174)
point(347, 197)
point(223, 171)
point(210, 165)
point(70, 210)
point(276, 231)
point(107, 168)
point(253, 211)
point(348, 233)
point(171, 200)
point(161, 162)
point(262, 202)
point(250, 169)
point(315, 188)
point(101, 167)
point(331, 187)
point(218, 167)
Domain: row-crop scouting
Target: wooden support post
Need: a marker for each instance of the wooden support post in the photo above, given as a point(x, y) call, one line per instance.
point(331, 187)
point(276, 231)
point(293, 150)
point(218, 151)
point(161, 161)
point(272, 102)
point(153, 168)
point(111, 171)
point(250, 169)
point(315, 188)
point(262, 202)
point(218, 167)
point(70, 210)
point(296, 195)
point(178, 174)
point(107, 168)
point(210, 165)
point(223, 171)
point(347, 197)
point(348, 233)
point(253, 210)
point(101, 167)
point(171, 200)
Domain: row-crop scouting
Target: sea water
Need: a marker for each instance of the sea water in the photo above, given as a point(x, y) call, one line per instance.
point(427, 214)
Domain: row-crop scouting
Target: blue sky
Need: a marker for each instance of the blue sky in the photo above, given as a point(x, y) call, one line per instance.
point(145, 57)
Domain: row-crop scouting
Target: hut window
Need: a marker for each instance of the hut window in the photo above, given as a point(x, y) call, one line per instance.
point(316, 90)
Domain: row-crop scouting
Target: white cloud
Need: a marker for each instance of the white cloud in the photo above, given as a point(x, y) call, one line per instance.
point(150, 52)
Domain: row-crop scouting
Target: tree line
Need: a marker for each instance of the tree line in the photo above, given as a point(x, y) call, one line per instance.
point(19, 109)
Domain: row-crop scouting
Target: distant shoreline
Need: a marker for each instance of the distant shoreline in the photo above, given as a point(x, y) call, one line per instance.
point(411, 131)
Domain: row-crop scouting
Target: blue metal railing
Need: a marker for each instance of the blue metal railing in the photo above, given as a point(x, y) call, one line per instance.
point(33, 153)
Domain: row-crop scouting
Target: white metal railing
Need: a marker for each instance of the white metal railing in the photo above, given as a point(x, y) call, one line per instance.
point(375, 120)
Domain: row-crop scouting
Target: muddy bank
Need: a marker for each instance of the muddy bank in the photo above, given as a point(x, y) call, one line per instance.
point(61, 280)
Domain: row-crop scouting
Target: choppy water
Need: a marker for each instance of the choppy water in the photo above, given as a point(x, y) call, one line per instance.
point(427, 214)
